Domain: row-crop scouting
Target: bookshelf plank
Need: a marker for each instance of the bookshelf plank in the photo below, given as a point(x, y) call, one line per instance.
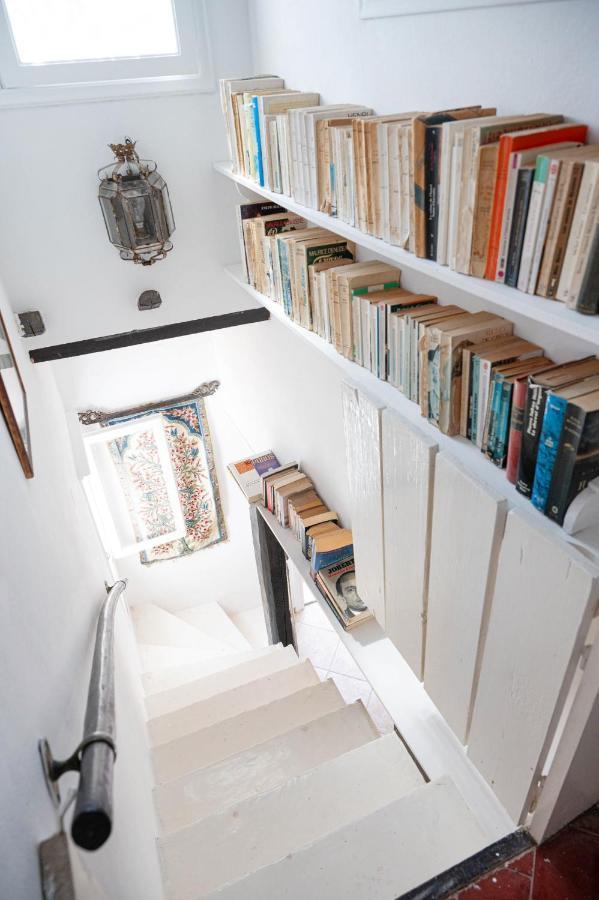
point(464, 450)
point(468, 523)
point(507, 301)
point(408, 470)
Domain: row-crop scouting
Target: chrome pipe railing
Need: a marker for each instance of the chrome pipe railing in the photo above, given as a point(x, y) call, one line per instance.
point(95, 755)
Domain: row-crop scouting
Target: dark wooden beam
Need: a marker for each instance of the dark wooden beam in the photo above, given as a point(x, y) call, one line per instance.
point(148, 335)
point(271, 563)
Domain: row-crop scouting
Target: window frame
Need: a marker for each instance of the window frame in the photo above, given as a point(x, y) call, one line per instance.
point(190, 70)
point(383, 9)
point(95, 488)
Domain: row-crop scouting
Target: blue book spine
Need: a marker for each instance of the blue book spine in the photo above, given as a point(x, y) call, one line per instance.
point(259, 166)
point(330, 557)
point(553, 422)
point(495, 406)
point(501, 438)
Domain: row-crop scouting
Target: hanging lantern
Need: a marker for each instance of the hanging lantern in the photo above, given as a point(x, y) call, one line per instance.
point(136, 206)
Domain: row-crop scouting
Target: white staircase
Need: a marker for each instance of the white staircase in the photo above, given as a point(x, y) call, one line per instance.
point(268, 786)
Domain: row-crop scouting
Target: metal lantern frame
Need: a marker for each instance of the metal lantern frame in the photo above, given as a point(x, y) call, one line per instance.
point(136, 206)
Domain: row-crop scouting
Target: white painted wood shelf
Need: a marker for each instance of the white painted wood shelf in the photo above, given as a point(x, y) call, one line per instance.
point(463, 449)
point(509, 301)
point(418, 720)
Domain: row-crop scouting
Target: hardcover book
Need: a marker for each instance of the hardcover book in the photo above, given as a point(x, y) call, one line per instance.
point(337, 584)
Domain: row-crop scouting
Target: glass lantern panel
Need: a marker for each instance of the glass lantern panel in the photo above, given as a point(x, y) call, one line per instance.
point(163, 200)
point(114, 220)
point(139, 214)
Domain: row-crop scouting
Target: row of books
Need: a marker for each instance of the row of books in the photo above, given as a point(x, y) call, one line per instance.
point(511, 198)
point(289, 494)
point(469, 373)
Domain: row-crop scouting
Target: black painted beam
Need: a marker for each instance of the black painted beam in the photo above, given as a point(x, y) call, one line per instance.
point(148, 335)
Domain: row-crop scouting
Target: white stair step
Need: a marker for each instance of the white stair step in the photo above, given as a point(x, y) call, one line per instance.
point(393, 850)
point(261, 830)
point(166, 678)
point(262, 768)
point(154, 625)
point(209, 685)
point(214, 621)
point(244, 698)
point(154, 657)
point(252, 625)
point(210, 745)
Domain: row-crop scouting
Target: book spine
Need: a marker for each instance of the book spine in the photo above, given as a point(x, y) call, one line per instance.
point(258, 163)
point(487, 172)
point(518, 226)
point(419, 186)
point(563, 235)
point(531, 428)
point(588, 297)
point(563, 468)
point(514, 441)
point(533, 220)
point(550, 186)
point(432, 148)
point(584, 249)
point(494, 412)
point(503, 159)
point(484, 377)
point(501, 437)
point(582, 210)
point(475, 380)
point(553, 422)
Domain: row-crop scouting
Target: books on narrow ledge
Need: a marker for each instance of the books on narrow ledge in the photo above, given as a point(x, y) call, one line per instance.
point(248, 473)
point(511, 198)
point(289, 494)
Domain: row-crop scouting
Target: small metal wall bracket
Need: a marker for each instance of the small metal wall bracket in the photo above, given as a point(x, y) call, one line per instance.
point(149, 300)
point(56, 768)
point(30, 323)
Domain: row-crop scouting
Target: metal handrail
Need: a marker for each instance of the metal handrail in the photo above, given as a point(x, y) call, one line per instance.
point(94, 757)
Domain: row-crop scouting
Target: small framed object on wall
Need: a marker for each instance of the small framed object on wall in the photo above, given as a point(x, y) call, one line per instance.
point(13, 401)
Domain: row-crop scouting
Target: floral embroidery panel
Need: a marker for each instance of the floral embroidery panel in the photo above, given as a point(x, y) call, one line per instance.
point(190, 448)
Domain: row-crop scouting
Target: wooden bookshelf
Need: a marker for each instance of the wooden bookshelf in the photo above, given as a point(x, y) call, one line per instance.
point(506, 300)
point(418, 720)
point(387, 395)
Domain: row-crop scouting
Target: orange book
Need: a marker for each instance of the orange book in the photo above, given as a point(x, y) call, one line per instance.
point(510, 143)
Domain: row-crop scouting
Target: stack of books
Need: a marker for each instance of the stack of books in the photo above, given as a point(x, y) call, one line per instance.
point(512, 198)
point(248, 473)
point(289, 494)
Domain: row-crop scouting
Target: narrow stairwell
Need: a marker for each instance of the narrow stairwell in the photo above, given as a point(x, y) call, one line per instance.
point(269, 786)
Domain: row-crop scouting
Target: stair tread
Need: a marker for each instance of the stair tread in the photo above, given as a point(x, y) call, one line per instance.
point(192, 691)
point(212, 619)
point(172, 676)
point(210, 745)
point(154, 657)
point(154, 625)
point(234, 702)
point(263, 767)
point(260, 830)
point(393, 850)
point(252, 625)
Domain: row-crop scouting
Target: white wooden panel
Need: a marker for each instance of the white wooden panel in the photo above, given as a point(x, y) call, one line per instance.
point(408, 470)
point(383, 855)
point(572, 783)
point(362, 426)
point(468, 522)
point(545, 597)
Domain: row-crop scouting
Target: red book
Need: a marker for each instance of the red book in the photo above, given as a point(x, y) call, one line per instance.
point(510, 143)
point(516, 422)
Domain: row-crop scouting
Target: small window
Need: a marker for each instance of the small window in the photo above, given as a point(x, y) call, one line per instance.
point(57, 42)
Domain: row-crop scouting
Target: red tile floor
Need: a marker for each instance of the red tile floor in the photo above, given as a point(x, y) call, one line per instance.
point(566, 867)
